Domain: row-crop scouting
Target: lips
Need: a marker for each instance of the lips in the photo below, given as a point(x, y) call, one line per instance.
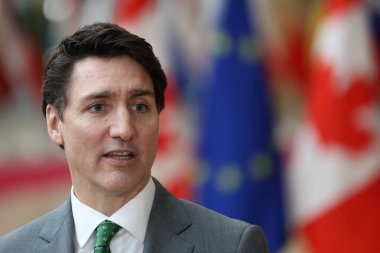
point(127, 155)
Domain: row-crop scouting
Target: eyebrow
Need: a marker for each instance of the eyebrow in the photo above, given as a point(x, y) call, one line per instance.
point(109, 94)
point(141, 92)
point(99, 95)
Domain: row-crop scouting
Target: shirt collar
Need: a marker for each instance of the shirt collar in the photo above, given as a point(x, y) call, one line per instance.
point(133, 216)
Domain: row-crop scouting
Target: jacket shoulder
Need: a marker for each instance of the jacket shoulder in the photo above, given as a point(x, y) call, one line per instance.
point(23, 238)
point(216, 231)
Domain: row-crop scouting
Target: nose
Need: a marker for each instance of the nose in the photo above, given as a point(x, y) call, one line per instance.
point(122, 125)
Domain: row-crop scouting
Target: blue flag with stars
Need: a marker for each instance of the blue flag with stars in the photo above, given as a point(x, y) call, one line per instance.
point(241, 172)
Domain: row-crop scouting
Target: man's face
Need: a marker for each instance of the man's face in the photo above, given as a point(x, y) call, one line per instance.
point(110, 127)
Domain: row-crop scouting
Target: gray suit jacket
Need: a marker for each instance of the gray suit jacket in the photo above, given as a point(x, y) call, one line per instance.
point(175, 226)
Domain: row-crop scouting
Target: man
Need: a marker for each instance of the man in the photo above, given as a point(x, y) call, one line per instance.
point(103, 90)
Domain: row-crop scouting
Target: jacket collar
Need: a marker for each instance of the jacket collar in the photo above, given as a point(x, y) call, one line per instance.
point(168, 220)
point(57, 234)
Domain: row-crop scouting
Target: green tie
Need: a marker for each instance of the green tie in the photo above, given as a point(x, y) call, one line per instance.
point(104, 233)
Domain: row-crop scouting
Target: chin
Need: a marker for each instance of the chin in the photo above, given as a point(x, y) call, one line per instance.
point(125, 183)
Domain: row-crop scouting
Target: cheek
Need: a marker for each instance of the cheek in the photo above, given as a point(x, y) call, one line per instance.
point(151, 136)
point(81, 138)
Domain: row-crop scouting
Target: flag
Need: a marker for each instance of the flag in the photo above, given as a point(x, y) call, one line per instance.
point(334, 174)
point(131, 10)
point(240, 175)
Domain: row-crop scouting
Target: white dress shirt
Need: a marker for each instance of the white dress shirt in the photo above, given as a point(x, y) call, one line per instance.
point(133, 217)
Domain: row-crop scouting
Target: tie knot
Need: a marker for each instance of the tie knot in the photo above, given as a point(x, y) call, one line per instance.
point(104, 234)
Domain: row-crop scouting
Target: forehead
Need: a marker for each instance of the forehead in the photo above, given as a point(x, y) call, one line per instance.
point(118, 75)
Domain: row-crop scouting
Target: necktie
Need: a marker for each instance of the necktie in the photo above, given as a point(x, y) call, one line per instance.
point(104, 234)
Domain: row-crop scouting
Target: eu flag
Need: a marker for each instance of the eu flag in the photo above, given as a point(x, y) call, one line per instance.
point(241, 172)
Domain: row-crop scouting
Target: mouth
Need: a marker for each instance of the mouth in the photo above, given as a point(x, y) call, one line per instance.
point(120, 155)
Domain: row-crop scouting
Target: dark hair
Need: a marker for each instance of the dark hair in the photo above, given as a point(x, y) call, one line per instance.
point(102, 40)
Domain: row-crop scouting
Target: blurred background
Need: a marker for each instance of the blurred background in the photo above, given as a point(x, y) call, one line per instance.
point(272, 111)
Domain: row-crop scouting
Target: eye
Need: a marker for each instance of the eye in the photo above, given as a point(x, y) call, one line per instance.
point(96, 108)
point(139, 107)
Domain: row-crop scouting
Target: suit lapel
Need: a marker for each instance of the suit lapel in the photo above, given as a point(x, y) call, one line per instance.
point(57, 235)
point(168, 219)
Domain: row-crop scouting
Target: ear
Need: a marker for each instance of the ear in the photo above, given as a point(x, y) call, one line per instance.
point(54, 125)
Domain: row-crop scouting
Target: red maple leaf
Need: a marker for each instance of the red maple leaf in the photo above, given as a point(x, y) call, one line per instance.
point(335, 112)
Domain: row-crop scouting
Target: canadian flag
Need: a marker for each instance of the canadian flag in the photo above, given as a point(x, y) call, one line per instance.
point(334, 170)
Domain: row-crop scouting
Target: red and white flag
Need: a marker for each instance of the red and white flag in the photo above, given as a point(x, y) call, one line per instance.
point(334, 170)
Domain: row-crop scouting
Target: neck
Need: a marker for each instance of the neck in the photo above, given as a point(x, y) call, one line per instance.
point(106, 202)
